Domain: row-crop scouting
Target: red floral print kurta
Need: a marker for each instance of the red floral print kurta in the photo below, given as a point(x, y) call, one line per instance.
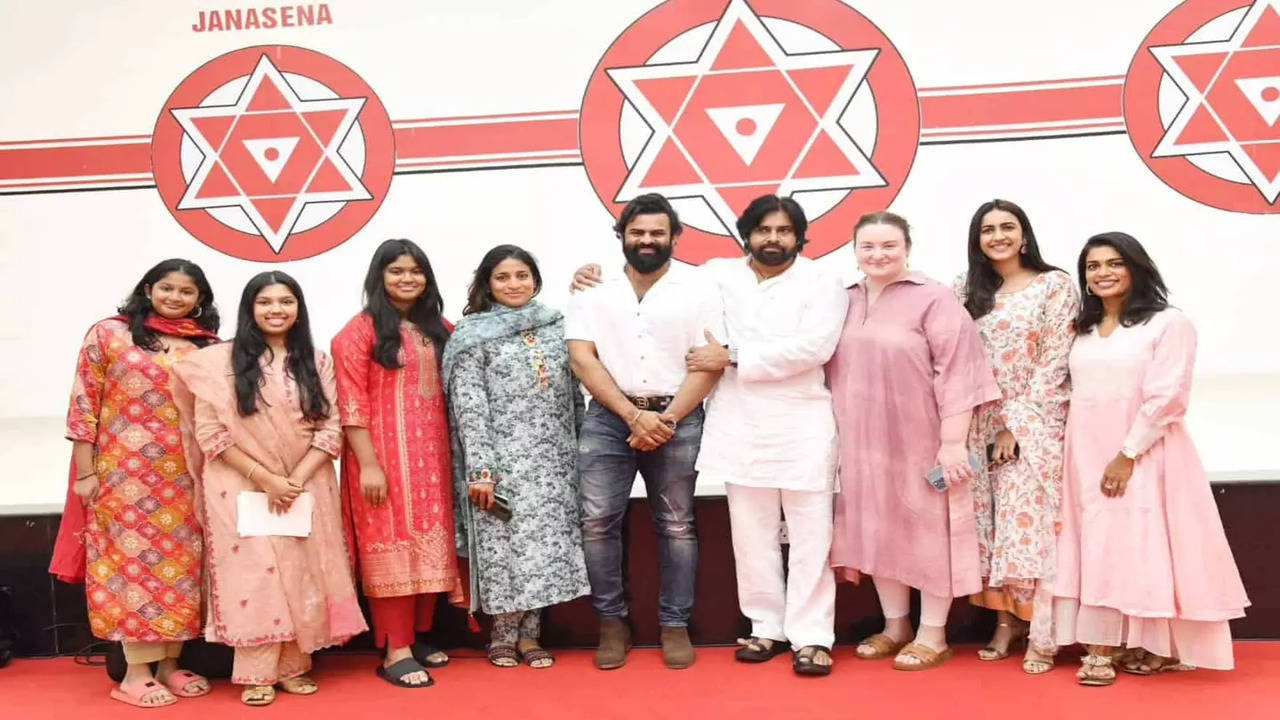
point(142, 536)
point(406, 545)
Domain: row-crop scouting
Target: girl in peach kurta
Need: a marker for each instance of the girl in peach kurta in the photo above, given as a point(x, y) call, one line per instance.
point(1143, 561)
point(274, 599)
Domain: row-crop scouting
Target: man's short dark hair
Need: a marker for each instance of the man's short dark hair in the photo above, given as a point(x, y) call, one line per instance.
point(765, 204)
point(648, 204)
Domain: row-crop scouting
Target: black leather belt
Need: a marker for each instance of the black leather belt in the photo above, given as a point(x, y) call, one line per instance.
point(656, 404)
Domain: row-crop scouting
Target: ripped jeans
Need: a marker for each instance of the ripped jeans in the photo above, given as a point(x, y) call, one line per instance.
point(607, 469)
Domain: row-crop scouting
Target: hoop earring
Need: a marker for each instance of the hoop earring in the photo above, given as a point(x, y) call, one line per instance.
point(1024, 249)
point(199, 311)
point(1088, 290)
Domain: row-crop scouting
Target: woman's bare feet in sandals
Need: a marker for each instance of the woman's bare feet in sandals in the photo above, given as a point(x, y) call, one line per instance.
point(300, 685)
point(503, 655)
point(933, 638)
point(1098, 667)
point(534, 654)
point(1141, 662)
point(195, 685)
point(898, 632)
point(1035, 662)
point(395, 655)
point(1009, 630)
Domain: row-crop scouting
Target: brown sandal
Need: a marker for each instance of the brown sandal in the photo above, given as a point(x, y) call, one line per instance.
point(882, 645)
point(504, 652)
point(928, 657)
point(1141, 662)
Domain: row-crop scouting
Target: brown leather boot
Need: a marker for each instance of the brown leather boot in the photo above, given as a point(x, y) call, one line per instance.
point(677, 651)
point(615, 641)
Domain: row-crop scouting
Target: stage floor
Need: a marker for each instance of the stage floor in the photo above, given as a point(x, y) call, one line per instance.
point(715, 687)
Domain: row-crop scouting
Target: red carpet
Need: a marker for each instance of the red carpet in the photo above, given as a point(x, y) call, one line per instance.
point(716, 687)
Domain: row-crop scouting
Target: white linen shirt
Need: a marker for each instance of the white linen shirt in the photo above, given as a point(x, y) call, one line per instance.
point(769, 421)
point(642, 343)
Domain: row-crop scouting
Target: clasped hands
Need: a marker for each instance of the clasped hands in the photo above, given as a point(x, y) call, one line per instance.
point(281, 491)
point(649, 429)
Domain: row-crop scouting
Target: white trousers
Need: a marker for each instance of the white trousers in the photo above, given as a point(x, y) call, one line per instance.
point(799, 607)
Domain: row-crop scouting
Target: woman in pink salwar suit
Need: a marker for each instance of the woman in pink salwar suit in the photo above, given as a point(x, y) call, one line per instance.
point(1143, 561)
point(905, 378)
point(274, 599)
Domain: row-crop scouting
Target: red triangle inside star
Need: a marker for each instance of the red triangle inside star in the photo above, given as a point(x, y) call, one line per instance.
point(1266, 156)
point(1266, 31)
point(268, 97)
point(820, 85)
point(274, 210)
point(328, 179)
point(740, 196)
point(824, 159)
point(1202, 128)
point(666, 94)
point(324, 123)
point(741, 51)
point(214, 129)
point(1201, 68)
point(670, 167)
point(217, 184)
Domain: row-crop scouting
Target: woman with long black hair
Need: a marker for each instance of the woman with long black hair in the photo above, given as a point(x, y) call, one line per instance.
point(263, 414)
point(130, 530)
point(1023, 307)
point(1143, 562)
point(397, 493)
point(516, 408)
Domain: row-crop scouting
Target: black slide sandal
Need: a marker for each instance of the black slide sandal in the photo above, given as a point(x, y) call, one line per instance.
point(399, 669)
point(421, 651)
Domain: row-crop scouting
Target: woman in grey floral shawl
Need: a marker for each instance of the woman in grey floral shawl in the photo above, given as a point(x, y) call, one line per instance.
point(515, 408)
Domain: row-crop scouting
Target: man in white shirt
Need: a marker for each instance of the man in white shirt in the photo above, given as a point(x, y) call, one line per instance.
point(770, 433)
point(628, 337)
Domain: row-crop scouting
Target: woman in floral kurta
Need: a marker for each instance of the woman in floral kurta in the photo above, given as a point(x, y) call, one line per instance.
point(515, 405)
point(1024, 311)
point(140, 558)
point(1028, 336)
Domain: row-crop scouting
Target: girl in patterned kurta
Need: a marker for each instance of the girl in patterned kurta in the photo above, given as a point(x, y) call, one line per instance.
point(515, 407)
point(263, 417)
point(141, 538)
point(397, 490)
point(1024, 308)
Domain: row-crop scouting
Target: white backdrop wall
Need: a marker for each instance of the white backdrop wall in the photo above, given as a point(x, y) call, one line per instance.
point(74, 69)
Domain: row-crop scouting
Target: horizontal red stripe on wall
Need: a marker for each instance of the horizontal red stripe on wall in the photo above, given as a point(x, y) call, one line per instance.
point(1019, 107)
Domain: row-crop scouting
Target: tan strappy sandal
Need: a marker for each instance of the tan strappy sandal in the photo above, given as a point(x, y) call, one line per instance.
point(258, 695)
point(991, 654)
point(928, 657)
point(882, 646)
point(1096, 670)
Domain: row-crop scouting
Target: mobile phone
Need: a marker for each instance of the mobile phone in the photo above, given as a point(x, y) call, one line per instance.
point(501, 508)
point(991, 452)
point(938, 480)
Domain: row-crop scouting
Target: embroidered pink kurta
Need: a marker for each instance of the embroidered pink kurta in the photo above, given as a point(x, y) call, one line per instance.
point(142, 537)
point(405, 546)
point(1156, 555)
point(267, 589)
point(903, 364)
point(1027, 335)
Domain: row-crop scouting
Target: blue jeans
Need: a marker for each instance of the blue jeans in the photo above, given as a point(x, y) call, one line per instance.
point(606, 470)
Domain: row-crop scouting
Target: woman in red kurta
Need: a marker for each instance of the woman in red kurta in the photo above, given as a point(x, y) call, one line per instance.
point(396, 469)
point(130, 531)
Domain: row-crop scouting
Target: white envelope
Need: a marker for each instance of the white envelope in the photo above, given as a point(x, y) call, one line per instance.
point(255, 519)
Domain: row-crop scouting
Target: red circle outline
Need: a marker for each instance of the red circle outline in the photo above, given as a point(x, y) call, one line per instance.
point(897, 113)
point(380, 153)
point(1142, 114)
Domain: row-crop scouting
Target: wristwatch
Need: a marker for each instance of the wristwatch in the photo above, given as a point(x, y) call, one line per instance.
point(733, 355)
point(1129, 452)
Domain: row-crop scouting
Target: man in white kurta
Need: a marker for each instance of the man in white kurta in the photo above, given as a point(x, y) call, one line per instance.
point(770, 433)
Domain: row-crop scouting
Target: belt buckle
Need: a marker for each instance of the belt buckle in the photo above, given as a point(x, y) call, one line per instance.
point(641, 402)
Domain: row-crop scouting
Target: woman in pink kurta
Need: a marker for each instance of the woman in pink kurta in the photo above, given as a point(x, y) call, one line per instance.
point(264, 418)
point(905, 378)
point(396, 472)
point(1143, 561)
point(1024, 308)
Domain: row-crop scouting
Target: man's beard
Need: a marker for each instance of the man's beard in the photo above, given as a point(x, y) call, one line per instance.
point(774, 255)
point(645, 264)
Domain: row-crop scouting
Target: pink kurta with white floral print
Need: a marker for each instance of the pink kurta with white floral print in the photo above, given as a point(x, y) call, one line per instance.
point(1028, 337)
